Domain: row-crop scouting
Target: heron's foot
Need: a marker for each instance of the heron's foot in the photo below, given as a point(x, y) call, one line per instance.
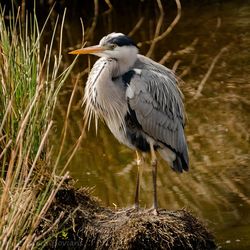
point(154, 211)
point(131, 210)
point(136, 207)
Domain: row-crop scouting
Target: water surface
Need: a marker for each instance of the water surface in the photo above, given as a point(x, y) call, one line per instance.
point(217, 187)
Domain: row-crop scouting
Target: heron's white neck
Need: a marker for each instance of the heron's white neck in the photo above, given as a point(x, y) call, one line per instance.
point(125, 60)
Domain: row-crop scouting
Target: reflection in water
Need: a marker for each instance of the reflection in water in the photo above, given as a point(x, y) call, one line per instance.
point(217, 187)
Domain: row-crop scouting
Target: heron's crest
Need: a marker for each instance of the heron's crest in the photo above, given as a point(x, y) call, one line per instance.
point(117, 38)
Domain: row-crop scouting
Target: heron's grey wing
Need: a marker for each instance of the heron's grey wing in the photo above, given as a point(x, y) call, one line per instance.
point(144, 62)
point(157, 103)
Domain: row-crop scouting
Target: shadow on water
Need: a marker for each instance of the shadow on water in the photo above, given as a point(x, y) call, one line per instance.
point(217, 187)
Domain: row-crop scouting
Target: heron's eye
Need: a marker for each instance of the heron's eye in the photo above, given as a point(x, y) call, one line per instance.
point(113, 46)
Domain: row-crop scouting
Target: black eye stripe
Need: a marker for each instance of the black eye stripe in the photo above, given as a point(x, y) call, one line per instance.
point(122, 41)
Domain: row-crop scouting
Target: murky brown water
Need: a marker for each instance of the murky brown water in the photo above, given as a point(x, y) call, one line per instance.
point(217, 188)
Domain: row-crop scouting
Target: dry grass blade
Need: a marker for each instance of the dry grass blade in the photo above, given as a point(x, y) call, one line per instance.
point(136, 27)
point(165, 57)
point(90, 31)
point(176, 65)
point(51, 227)
point(157, 30)
point(158, 37)
point(210, 70)
point(65, 127)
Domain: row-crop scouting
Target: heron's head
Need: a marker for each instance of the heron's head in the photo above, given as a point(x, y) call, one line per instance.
point(114, 45)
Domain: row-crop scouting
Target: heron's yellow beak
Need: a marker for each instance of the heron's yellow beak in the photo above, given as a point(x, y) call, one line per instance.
point(88, 50)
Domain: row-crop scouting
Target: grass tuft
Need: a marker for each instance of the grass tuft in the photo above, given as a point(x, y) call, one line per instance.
point(30, 78)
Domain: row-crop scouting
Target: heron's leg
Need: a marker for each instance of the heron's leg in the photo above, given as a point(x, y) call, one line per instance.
point(137, 190)
point(154, 174)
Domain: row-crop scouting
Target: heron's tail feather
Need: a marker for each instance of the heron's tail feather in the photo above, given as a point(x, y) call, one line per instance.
point(178, 162)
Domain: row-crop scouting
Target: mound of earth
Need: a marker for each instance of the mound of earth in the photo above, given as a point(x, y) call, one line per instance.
point(91, 226)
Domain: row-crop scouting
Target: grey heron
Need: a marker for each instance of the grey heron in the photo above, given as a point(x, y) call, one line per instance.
point(140, 102)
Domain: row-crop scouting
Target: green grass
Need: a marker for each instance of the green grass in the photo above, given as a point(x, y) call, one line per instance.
point(30, 78)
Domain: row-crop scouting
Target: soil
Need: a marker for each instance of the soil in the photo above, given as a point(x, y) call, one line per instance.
point(89, 225)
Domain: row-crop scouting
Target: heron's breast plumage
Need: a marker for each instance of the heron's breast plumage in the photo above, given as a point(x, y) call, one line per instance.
point(106, 97)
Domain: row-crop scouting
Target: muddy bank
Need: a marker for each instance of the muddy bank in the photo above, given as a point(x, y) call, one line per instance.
point(91, 226)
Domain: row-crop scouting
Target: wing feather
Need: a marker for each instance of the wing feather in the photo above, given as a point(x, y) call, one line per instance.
point(157, 103)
